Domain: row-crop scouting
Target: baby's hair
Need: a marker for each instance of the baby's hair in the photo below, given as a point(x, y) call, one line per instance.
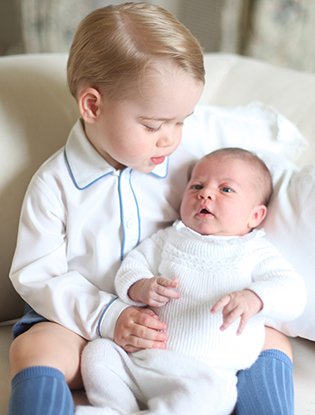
point(263, 182)
point(113, 46)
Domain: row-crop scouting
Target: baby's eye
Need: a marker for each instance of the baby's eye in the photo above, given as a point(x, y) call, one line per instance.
point(226, 190)
point(196, 187)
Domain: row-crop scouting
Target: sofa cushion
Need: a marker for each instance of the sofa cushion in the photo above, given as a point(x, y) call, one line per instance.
point(36, 115)
point(290, 225)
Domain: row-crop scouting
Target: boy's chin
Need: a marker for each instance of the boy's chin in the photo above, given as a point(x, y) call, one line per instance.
point(144, 169)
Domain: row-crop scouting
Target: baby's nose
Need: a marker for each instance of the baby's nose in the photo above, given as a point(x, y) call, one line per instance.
point(206, 194)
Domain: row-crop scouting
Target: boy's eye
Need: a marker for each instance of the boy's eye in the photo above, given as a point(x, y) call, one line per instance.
point(152, 129)
point(196, 187)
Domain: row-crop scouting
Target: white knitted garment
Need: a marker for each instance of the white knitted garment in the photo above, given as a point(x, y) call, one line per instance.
point(209, 267)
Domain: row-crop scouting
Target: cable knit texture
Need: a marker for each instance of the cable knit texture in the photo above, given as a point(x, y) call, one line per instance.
point(208, 268)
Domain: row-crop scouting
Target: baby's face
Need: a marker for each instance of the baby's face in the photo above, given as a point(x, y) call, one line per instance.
point(220, 198)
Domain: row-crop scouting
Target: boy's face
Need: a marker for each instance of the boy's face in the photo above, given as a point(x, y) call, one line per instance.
point(220, 198)
point(141, 131)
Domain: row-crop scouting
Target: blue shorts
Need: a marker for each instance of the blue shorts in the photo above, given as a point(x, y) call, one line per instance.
point(27, 321)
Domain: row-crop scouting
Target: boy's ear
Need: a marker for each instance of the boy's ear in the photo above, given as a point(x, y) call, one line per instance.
point(89, 103)
point(257, 216)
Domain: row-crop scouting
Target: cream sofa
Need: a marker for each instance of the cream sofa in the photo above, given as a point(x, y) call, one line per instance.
point(36, 114)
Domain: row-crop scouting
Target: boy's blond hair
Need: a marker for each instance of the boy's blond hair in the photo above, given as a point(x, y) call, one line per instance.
point(114, 45)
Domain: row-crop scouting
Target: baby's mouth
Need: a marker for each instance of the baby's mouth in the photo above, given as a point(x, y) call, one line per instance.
point(204, 211)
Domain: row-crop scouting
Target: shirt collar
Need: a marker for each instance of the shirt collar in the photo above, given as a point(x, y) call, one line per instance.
point(86, 165)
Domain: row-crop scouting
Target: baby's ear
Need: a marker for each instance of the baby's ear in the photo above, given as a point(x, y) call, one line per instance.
point(257, 216)
point(89, 103)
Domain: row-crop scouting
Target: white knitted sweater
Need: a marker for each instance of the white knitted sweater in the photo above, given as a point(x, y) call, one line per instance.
point(209, 267)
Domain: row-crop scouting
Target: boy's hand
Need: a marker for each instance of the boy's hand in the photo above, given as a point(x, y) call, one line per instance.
point(242, 304)
point(154, 292)
point(139, 328)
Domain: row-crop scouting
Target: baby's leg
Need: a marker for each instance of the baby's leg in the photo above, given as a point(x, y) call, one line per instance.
point(45, 362)
point(179, 385)
point(108, 379)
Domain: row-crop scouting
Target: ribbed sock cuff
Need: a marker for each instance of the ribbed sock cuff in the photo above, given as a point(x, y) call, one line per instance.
point(36, 372)
point(277, 354)
point(40, 390)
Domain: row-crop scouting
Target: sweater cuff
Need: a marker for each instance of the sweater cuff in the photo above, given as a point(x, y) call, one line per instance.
point(109, 317)
point(262, 290)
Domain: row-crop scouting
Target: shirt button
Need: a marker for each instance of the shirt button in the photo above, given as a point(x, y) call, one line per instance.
point(131, 223)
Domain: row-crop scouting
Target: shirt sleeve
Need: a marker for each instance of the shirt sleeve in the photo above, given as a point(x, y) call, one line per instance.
point(41, 271)
point(280, 288)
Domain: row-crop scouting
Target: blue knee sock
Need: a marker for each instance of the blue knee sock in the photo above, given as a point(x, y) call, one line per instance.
point(40, 390)
point(266, 388)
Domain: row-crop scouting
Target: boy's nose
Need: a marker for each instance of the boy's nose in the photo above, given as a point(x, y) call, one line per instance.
point(166, 140)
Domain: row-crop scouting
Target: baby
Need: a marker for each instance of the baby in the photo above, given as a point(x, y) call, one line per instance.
point(213, 278)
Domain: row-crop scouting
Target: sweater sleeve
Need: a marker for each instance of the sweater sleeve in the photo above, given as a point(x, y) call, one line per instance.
point(141, 262)
point(280, 288)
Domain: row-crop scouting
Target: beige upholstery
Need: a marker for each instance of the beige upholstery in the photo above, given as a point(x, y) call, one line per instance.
point(36, 114)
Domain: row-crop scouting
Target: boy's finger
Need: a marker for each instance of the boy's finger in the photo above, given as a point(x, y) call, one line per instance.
point(144, 333)
point(136, 344)
point(146, 319)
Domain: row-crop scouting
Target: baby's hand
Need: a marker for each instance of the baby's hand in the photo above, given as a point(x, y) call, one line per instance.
point(242, 304)
point(155, 292)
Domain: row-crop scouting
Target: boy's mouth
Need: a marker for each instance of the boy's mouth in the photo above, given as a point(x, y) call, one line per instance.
point(157, 160)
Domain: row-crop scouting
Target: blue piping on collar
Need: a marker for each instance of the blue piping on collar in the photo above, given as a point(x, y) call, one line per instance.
point(138, 212)
point(106, 174)
point(73, 179)
point(122, 220)
point(166, 173)
point(122, 214)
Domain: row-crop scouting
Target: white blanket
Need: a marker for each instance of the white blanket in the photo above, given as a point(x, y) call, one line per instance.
point(155, 382)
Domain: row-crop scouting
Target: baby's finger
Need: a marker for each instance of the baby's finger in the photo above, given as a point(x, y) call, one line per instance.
point(224, 301)
point(165, 288)
point(166, 282)
point(230, 314)
point(243, 322)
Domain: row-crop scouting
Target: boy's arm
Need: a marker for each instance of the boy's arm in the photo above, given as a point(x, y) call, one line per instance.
point(44, 278)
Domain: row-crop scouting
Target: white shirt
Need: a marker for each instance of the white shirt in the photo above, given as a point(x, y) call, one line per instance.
point(79, 218)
